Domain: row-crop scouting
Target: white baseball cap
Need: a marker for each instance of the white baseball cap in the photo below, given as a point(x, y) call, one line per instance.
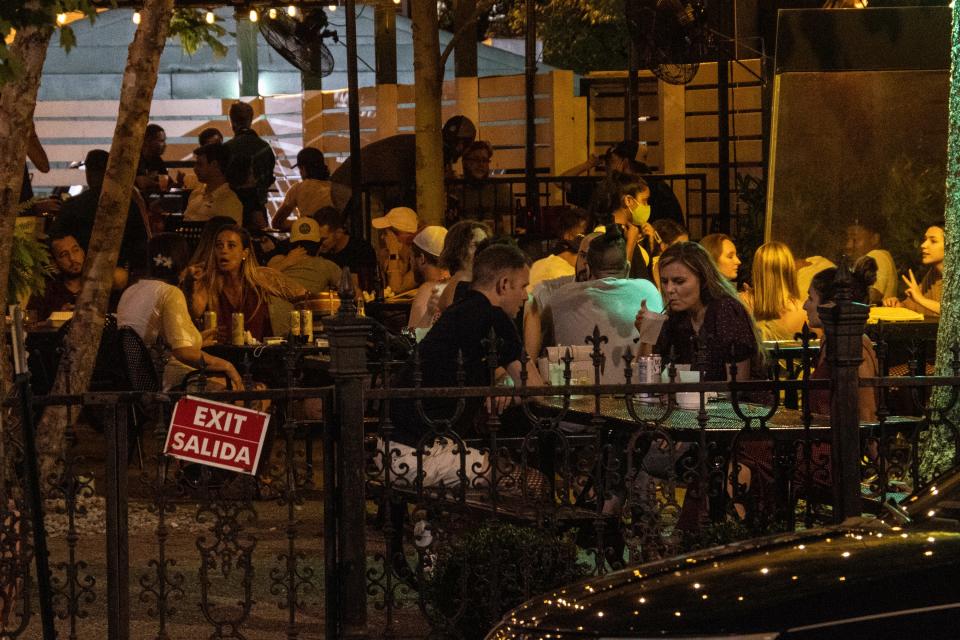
point(305, 229)
point(430, 239)
point(400, 218)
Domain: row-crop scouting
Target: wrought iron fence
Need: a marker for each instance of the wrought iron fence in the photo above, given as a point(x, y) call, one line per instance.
point(387, 536)
point(187, 549)
point(503, 200)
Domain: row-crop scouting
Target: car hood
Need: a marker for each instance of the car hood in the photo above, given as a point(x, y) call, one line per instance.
point(764, 585)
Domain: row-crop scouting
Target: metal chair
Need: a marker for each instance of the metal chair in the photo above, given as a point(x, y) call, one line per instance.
point(140, 374)
point(190, 231)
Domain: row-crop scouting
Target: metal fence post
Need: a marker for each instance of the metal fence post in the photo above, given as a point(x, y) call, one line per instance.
point(843, 323)
point(117, 541)
point(348, 335)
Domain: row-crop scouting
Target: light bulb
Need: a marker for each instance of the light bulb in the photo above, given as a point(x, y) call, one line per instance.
point(210, 17)
point(396, 1)
point(272, 13)
point(61, 18)
point(292, 11)
point(332, 8)
point(254, 16)
point(136, 17)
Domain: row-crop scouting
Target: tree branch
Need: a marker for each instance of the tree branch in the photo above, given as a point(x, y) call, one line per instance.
point(458, 35)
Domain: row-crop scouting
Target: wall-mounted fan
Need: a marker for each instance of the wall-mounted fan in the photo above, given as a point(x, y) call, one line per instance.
point(671, 36)
point(300, 42)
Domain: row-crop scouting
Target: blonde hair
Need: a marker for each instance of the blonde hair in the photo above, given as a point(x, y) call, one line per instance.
point(774, 276)
point(263, 282)
point(713, 243)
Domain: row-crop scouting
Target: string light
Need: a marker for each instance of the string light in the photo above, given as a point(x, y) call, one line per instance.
point(332, 8)
point(136, 17)
point(254, 16)
point(396, 1)
point(211, 18)
point(272, 13)
point(61, 18)
point(292, 11)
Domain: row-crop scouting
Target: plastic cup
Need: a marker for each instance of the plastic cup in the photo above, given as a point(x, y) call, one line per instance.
point(650, 329)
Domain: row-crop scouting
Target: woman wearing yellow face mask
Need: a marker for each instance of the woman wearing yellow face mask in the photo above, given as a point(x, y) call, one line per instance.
point(633, 214)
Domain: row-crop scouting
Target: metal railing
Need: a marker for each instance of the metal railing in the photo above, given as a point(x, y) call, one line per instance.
point(576, 479)
point(503, 200)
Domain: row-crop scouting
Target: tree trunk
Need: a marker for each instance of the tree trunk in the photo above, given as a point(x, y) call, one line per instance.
point(18, 99)
point(83, 340)
point(431, 201)
point(938, 445)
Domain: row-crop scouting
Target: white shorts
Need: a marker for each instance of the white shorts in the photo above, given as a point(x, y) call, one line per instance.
point(441, 464)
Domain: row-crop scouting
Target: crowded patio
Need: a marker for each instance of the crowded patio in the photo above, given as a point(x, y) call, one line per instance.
point(401, 315)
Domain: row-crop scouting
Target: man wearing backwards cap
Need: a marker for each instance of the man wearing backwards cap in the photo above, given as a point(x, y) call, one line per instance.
point(303, 266)
point(398, 229)
point(426, 249)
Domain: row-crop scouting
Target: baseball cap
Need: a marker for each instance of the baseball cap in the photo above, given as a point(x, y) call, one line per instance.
point(305, 229)
point(96, 159)
point(400, 218)
point(431, 239)
point(309, 156)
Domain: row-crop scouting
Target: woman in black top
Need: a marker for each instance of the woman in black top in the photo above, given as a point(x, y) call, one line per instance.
point(707, 326)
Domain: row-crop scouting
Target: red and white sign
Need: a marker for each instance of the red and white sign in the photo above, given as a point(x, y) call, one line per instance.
point(216, 434)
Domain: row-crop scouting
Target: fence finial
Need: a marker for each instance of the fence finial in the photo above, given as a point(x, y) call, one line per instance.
point(348, 303)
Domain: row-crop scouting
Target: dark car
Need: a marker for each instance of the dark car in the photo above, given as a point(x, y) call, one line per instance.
point(892, 578)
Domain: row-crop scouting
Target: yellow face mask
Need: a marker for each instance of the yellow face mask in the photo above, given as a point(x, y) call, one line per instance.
point(640, 213)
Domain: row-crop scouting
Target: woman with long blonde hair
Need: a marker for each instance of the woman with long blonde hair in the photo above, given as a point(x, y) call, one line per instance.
point(775, 299)
point(231, 282)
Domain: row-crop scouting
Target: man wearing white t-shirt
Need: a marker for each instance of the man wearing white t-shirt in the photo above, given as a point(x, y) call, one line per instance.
point(608, 300)
point(214, 197)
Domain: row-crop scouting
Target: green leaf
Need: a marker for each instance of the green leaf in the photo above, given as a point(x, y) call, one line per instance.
point(191, 27)
point(68, 39)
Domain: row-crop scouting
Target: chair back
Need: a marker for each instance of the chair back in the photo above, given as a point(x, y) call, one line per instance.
point(138, 365)
point(108, 369)
point(190, 231)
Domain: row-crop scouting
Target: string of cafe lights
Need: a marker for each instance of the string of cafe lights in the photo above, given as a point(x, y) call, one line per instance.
point(254, 14)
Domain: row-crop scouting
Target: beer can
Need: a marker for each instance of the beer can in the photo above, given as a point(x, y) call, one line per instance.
point(648, 371)
point(295, 323)
point(209, 320)
point(306, 317)
point(236, 330)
